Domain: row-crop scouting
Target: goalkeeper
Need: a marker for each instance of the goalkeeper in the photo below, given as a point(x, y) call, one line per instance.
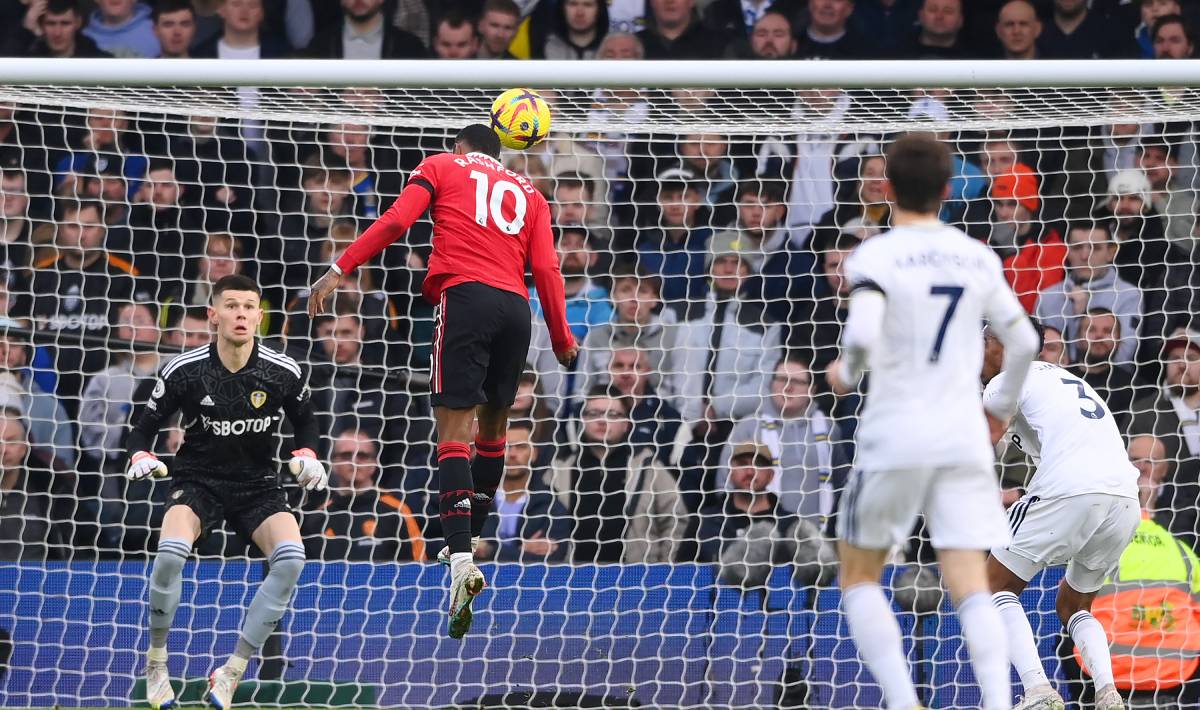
point(230, 392)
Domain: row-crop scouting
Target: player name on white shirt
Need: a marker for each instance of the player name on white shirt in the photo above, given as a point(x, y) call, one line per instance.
point(1068, 431)
point(924, 408)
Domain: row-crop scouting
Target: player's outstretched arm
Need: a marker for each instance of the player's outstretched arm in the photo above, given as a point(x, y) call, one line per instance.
point(548, 280)
point(392, 225)
point(163, 402)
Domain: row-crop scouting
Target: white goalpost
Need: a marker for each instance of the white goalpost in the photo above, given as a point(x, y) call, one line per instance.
point(685, 194)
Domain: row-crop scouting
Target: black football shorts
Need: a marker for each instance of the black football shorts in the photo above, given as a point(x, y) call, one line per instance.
point(480, 341)
point(243, 504)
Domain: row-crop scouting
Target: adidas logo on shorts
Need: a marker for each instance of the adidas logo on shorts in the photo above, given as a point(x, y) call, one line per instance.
point(465, 504)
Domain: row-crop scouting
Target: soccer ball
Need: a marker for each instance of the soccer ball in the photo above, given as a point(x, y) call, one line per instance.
point(521, 118)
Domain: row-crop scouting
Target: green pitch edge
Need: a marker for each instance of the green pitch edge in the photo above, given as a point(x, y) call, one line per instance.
point(297, 694)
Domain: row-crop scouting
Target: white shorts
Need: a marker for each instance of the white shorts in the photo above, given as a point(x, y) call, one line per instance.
point(1087, 533)
point(961, 506)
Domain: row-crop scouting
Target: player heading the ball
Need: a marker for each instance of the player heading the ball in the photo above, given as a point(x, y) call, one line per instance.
point(230, 393)
point(918, 295)
point(488, 223)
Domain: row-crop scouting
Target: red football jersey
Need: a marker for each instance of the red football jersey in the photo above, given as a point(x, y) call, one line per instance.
point(488, 223)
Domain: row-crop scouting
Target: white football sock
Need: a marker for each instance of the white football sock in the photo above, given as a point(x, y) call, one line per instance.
point(988, 646)
point(877, 637)
point(1021, 645)
point(458, 560)
point(1088, 635)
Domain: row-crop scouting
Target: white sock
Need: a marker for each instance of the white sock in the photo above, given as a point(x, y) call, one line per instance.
point(236, 664)
point(156, 655)
point(458, 560)
point(1088, 635)
point(877, 637)
point(1021, 645)
point(988, 646)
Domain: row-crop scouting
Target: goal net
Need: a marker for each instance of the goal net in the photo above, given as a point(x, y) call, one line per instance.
point(662, 534)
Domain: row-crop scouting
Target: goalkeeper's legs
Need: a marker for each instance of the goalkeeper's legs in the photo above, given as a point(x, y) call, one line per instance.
point(873, 626)
point(180, 529)
point(966, 577)
point(279, 537)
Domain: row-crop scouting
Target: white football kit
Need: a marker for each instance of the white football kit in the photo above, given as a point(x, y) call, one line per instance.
point(1081, 506)
point(922, 443)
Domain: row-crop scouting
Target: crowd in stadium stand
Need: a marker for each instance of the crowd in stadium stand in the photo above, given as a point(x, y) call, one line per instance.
point(703, 272)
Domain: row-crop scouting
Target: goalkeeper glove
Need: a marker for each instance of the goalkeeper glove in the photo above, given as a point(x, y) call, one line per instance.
point(309, 472)
point(144, 464)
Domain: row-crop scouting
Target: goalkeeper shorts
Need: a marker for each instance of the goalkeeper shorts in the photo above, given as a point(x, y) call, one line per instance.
point(243, 504)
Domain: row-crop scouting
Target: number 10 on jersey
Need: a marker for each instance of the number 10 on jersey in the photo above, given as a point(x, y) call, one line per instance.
point(485, 204)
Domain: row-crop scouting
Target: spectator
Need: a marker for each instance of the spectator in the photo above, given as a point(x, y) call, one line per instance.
point(1092, 282)
point(1101, 333)
point(74, 293)
point(24, 509)
point(587, 301)
point(497, 26)
point(1171, 415)
point(724, 346)
point(773, 37)
point(61, 23)
point(579, 28)
point(781, 271)
point(1018, 28)
point(530, 524)
point(212, 163)
point(454, 37)
point(575, 205)
point(818, 329)
point(242, 35)
point(1150, 11)
point(938, 32)
point(16, 227)
point(175, 28)
point(869, 203)
point(625, 506)
point(656, 424)
point(162, 234)
point(798, 432)
point(674, 31)
point(222, 256)
point(364, 33)
point(51, 433)
point(888, 23)
point(1075, 31)
point(352, 392)
point(1149, 455)
point(326, 199)
point(707, 156)
point(1032, 250)
point(748, 499)
point(1169, 198)
point(1054, 349)
point(808, 160)
point(358, 521)
point(675, 250)
point(107, 144)
point(1164, 275)
point(369, 162)
point(829, 36)
point(621, 45)
point(532, 404)
point(123, 28)
point(638, 321)
point(1172, 38)
point(108, 394)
